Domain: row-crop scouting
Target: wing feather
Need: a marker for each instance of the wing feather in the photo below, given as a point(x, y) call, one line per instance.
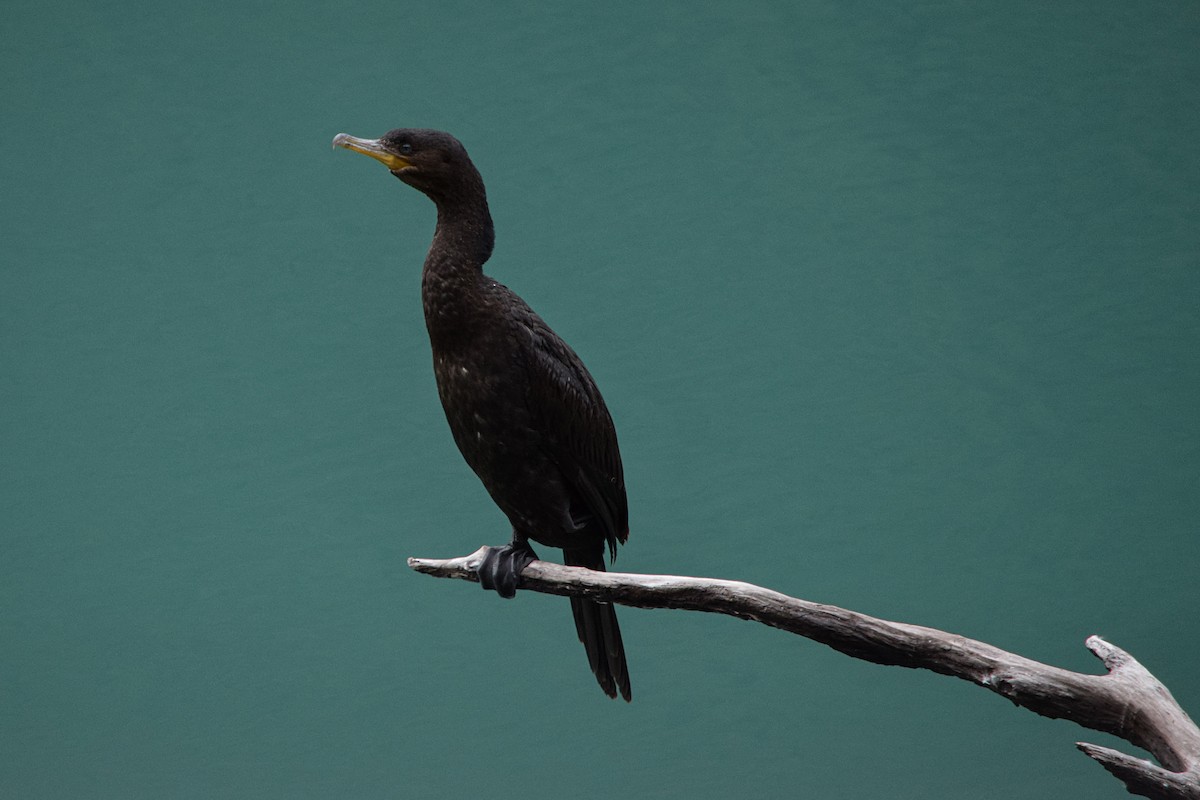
point(579, 430)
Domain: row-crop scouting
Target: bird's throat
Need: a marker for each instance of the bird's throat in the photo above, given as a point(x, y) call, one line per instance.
point(453, 272)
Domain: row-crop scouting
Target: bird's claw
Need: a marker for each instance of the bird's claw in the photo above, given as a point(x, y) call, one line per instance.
point(501, 567)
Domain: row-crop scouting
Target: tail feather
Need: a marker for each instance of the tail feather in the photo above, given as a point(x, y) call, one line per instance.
point(596, 624)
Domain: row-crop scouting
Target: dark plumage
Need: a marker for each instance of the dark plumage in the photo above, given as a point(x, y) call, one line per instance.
point(524, 411)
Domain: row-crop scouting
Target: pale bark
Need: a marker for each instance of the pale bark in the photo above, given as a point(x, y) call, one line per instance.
point(1127, 701)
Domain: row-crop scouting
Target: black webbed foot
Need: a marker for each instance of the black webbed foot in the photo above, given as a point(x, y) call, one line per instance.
point(501, 566)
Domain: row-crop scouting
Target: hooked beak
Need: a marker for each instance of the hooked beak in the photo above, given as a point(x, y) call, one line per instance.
point(372, 148)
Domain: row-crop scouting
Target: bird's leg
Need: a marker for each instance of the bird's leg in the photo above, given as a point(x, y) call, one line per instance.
point(502, 565)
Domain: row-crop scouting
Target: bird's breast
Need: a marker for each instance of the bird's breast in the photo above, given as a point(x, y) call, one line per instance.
point(485, 405)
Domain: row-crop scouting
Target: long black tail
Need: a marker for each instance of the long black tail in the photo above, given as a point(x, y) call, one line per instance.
point(596, 624)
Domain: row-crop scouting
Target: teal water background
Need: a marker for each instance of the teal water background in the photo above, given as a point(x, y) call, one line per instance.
point(895, 306)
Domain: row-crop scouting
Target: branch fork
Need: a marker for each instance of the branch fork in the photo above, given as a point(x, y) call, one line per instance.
point(1127, 701)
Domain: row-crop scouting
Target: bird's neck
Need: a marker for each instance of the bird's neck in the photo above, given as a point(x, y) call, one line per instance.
point(464, 236)
point(453, 270)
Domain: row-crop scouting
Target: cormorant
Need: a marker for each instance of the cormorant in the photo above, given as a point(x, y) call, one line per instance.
point(524, 411)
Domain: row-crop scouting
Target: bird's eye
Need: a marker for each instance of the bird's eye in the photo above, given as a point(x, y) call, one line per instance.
point(406, 148)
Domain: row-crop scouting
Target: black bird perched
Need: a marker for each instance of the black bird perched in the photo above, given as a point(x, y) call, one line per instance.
point(524, 411)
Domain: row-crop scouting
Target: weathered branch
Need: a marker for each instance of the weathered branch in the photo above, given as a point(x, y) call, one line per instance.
point(1127, 702)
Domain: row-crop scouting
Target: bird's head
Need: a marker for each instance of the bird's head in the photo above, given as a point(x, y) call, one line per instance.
point(433, 162)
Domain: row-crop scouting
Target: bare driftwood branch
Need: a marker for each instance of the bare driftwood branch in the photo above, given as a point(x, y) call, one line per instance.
point(1127, 702)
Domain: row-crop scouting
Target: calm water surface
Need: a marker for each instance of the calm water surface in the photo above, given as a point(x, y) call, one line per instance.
point(895, 308)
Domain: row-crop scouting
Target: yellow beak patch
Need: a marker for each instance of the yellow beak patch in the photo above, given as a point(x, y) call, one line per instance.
point(372, 148)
